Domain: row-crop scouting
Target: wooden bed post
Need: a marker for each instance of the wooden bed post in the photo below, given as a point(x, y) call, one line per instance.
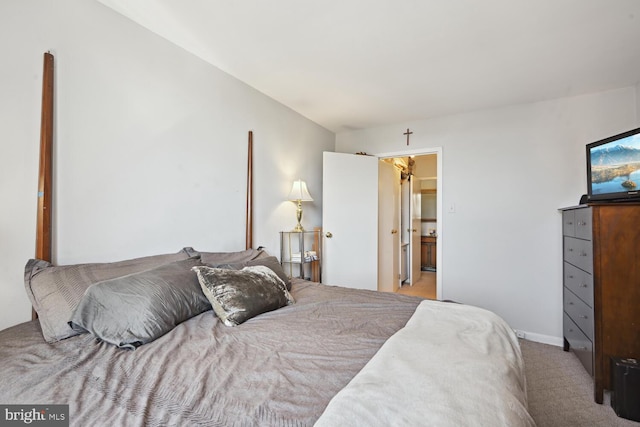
point(249, 219)
point(43, 224)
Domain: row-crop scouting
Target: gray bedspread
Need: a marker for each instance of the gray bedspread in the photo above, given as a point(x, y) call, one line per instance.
point(279, 369)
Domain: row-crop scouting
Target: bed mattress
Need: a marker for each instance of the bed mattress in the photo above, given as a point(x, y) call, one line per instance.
point(280, 368)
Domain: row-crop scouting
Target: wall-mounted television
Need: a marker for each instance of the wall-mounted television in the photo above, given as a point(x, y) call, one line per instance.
point(613, 168)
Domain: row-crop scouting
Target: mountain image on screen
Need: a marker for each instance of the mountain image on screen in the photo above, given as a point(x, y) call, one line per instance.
point(618, 163)
point(618, 154)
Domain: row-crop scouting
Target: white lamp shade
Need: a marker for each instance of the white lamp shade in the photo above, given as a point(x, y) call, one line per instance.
point(299, 192)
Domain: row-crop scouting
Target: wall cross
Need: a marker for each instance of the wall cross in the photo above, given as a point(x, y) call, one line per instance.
point(408, 133)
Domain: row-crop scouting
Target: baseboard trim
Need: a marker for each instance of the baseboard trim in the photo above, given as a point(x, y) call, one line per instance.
point(544, 339)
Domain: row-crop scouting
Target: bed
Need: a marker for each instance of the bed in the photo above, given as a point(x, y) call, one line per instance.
point(323, 355)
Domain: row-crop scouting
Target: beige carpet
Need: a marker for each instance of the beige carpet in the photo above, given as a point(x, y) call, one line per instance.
point(560, 390)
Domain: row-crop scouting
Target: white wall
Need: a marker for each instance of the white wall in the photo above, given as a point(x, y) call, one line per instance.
point(150, 145)
point(638, 103)
point(508, 171)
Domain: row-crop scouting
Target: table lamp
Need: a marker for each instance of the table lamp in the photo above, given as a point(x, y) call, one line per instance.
point(299, 194)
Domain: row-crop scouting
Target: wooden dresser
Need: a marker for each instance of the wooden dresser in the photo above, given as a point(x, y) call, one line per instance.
point(601, 319)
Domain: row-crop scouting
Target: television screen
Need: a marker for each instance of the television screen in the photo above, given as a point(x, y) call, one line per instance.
point(613, 167)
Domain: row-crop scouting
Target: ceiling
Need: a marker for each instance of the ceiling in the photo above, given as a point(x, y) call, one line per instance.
point(352, 64)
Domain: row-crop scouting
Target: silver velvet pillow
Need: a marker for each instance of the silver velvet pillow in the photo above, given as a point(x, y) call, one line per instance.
point(239, 295)
point(136, 309)
point(268, 261)
point(56, 290)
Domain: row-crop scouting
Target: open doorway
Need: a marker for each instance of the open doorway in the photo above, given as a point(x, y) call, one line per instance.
point(420, 208)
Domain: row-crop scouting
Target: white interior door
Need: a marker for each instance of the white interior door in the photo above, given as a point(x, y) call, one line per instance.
point(388, 227)
point(415, 230)
point(350, 220)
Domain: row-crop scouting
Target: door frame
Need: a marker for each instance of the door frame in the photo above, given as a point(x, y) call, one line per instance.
point(439, 185)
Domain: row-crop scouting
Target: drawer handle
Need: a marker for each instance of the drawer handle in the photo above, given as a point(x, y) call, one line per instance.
point(570, 276)
point(584, 285)
point(571, 330)
point(570, 302)
point(570, 249)
point(583, 348)
point(582, 316)
point(570, 222)
point(583, 254)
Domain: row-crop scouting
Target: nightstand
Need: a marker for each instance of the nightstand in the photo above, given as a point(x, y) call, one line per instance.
point(300, 253)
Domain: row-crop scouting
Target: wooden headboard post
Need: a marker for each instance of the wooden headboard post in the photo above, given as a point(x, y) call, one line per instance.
point(45, 176)
point(249, 219)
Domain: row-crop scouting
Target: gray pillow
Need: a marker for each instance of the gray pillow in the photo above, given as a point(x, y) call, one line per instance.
point(133, 310)
point(269, 261)
point(239, 295)
point(55, 291)
point(215, 258)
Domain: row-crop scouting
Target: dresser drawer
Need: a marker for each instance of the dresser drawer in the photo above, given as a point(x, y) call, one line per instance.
point(580, 313)
point(579, 253)
point(579, 282)
point(579, 343)
point(569, 223)
point(583, 223)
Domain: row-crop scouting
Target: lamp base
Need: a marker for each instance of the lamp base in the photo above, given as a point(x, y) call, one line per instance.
point(298, 228)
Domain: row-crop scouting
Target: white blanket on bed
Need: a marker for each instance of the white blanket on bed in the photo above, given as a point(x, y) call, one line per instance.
point(451, 365)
